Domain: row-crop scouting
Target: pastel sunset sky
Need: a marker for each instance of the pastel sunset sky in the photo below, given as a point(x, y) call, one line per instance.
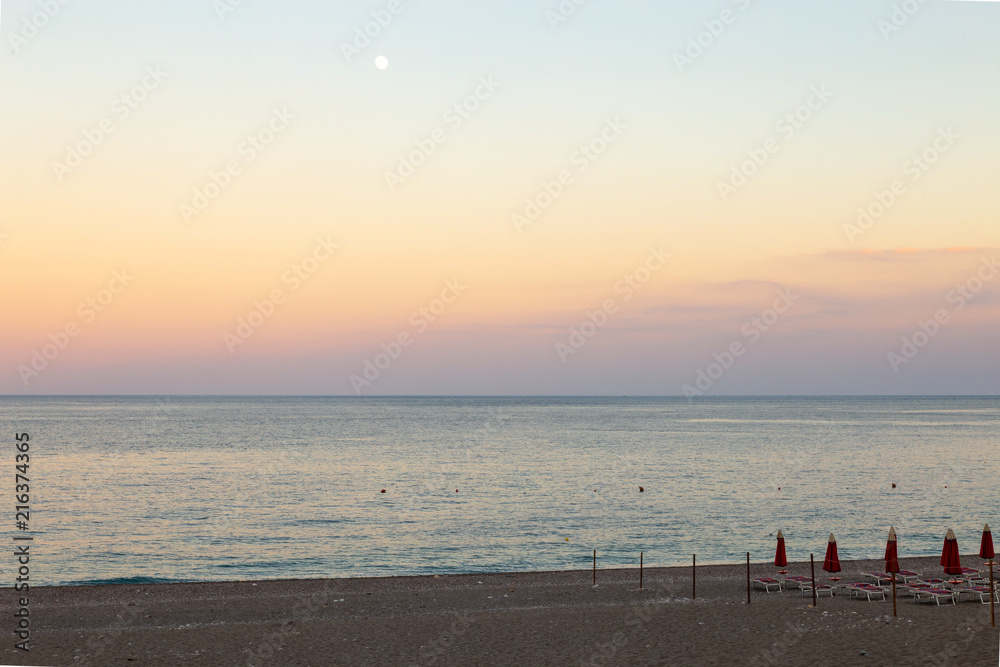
point(510, 169)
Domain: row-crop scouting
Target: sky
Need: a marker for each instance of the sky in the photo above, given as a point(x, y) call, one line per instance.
point(499, 198)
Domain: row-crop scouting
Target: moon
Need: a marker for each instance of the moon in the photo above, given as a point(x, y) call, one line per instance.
point(381, 62)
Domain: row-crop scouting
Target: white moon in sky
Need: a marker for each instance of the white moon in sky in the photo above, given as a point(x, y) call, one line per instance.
point(381, 62)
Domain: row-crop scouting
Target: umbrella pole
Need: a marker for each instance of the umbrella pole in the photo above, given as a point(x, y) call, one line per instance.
point(694, 576)
point(993, 595)
point(595, 567)
point(894, 594)
point(640, 570)
point(812, 566)
point(748, 577)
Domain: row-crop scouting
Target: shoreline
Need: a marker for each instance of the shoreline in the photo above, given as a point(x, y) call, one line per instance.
point(552, 618)
point(756, 569)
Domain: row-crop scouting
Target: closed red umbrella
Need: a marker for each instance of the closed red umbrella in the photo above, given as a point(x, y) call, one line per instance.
point(949, 555)
point(891, 554)
point(986, 549)
point(832, 562)
point(892, 562)
point(780, 559)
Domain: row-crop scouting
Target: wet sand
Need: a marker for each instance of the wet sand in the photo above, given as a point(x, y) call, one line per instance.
point(540, 618)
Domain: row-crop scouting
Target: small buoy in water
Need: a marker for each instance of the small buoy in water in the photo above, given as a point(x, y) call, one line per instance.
point(567, 539)
point(779, 488)
point(383, 490)
point(456, 490)
point(641, 489)
point(894, 485)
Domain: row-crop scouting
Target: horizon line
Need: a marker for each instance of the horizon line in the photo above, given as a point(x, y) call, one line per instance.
point(396, 396)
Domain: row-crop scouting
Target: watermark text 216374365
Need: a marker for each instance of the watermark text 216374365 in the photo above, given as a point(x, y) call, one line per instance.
point(22, 542)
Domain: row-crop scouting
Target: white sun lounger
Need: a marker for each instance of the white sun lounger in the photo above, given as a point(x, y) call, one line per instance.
point(821, 589)
point(910, 588)
point(767, 583)
point(867, 590)
point(934, 583)
point(796, 582)
point(935, 594)
point(982, 592)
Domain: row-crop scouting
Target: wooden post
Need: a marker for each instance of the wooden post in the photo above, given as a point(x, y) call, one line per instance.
point(640, 570)
point(694, 576)
point(894, 591)
point(812, 565)
point(748, 577)
point(595, 567)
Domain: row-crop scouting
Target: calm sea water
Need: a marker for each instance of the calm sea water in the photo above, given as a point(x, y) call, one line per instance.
point(183, 489)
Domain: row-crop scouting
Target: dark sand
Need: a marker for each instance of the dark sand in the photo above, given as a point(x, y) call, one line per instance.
point(544, 618)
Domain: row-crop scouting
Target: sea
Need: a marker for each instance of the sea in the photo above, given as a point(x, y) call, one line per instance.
point(170, 489)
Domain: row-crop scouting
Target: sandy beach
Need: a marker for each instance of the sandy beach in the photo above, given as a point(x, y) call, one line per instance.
point(543, 618)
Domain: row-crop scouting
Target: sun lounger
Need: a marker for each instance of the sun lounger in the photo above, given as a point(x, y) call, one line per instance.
point(821, 589)
point(981, 592)
point(970, 572)
point(797, 582)
point(767, 583)
point(878, 577)
point(867, 590)
point(844, 587)
point(907, 576)
point(935, 594)
point(913, 586)
point(935, 583)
